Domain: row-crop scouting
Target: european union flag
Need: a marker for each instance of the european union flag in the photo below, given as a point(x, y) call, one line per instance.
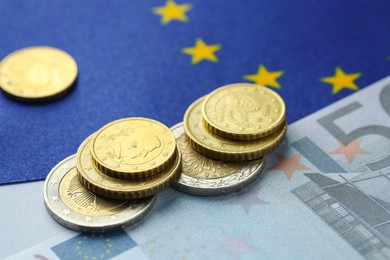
point(154, 58)
point(96, 246)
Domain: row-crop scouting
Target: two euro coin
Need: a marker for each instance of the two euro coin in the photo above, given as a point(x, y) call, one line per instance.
point(204, 176)
point(72, 205)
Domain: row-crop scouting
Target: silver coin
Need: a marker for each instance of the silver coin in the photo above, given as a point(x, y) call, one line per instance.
point(204, 176)
point(75, 207)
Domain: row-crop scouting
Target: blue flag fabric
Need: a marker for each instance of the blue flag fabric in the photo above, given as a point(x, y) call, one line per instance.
point(154, 58)
point(91, 246)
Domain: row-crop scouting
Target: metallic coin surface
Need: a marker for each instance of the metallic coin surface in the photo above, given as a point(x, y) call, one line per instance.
point(205, 176)
point(243, 111)
point(115, 188)
point(133, 148)
point(37, 74)
point(75, 207)
point(220, 148)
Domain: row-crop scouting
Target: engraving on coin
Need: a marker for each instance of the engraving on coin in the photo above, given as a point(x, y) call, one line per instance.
point(133, 148)
point(243, 111)
point(78, 198)
point(197, 165)
point(220, 148)
point(204, 176)
point(36, 73)
point(111, 187)
point(76, 208)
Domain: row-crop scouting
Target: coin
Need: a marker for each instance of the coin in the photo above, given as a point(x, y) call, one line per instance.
point(111, 187)
point(133, 148)
point(221, 148)
point(37, 74)
point(204, 176)
point(75, 207)
point(243, 111)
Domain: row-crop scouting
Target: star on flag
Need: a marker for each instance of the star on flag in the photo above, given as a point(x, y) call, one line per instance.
point(350, 150)
point(172, 11)
point(202, 51)
point(289, 165)
point(341, 80)
point(264, 77)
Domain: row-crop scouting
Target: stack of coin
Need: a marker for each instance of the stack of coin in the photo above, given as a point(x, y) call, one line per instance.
point(225, 136)
point(129, 158)
point(112, 180)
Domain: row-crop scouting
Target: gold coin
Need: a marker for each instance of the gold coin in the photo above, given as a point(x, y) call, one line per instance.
point(243, 111)
point(133, 148)
point(37, 74)
point(221, 148)
point(111, 187)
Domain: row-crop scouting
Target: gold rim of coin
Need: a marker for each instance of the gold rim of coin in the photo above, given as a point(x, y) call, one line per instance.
point(220, 148)
point(243, 111)
point(110, 187)
point(38, 74)
point(133, 148)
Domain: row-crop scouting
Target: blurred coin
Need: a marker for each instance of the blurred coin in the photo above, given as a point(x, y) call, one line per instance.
point(75, 207)
point(205, 176)
point(133, 148)
point(220, 148)
point(115, 188)
point(37, 74)
point(243, 111)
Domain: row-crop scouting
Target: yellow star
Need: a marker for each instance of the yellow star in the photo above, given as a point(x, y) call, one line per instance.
point(172, 11)
point(342, 80)
point(264, 77)
point(202, 51)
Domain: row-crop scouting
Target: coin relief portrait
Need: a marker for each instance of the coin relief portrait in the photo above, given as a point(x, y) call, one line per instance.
point(133, 146)
point(240, 110)
point(243, 111)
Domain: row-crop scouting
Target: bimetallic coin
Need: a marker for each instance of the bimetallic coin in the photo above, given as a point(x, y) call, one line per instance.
point(132, 148)
point(37, 74)
point(115, 188)
point(243, 111)
point(75, 207)
point(204, 176)
point(221, 148)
